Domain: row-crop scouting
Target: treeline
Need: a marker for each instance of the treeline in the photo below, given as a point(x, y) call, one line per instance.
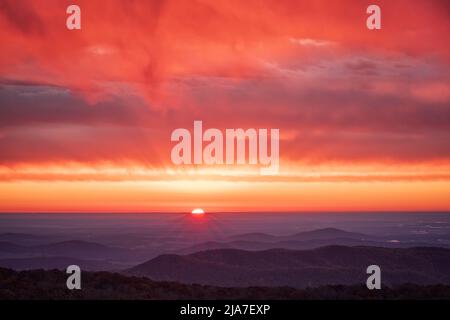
point(49, 285)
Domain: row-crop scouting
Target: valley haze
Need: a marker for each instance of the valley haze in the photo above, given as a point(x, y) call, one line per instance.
point(296, 250)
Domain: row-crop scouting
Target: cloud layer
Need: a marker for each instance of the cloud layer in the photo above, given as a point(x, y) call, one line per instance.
point(110, 94)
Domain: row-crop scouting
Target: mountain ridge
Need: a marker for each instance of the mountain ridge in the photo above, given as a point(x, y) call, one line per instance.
point(299, 268)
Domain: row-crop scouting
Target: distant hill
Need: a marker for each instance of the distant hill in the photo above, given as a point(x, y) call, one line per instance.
point(279, 267)
point(326, 233)
point(255, 236)
point(298, 245)
point(72, 248)
point(26, 239)
point(59, 255)
point(77, 248)
point(314, 239)
point(11, 248)
point(49, 263)
point(44, 285)
point(93, 254)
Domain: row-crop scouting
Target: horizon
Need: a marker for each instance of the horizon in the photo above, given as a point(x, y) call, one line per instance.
point(187, 212)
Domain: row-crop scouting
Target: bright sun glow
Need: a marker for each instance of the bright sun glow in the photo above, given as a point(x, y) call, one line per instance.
point(198, 211)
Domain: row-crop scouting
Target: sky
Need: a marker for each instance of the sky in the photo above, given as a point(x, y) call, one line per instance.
point(86, 115)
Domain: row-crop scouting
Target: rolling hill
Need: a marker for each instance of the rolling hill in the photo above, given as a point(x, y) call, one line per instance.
point(60, 263)
point(326, 233)
point(279, 267)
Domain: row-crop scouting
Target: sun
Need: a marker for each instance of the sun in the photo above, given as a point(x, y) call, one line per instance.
point(198, 211)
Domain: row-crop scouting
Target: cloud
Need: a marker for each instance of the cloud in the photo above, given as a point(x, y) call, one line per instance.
point(86, 116)
point(115, 91)
point(311, 42)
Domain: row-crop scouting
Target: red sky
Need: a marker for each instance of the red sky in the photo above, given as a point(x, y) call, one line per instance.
point(86, 115)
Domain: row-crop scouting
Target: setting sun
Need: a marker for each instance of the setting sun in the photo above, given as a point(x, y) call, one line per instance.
point(198, 211)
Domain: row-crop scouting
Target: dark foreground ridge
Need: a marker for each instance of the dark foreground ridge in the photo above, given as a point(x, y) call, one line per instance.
point(49, 285)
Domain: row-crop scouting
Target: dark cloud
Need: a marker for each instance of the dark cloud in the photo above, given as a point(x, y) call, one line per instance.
point(23, 16)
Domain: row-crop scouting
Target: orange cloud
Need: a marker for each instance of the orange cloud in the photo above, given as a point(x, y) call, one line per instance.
point(110, 94)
